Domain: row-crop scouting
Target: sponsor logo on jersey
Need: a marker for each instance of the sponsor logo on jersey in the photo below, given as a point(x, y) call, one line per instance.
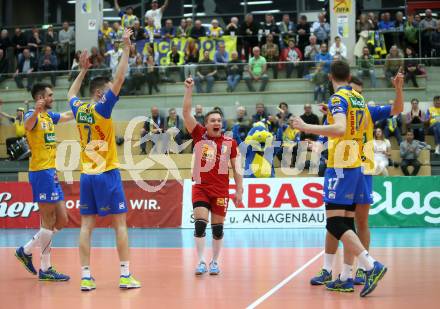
point(122, 205)
point(42, 196)
point(77, 103)
point(221, 202)
point(357, 102)
point(332, 195)
point(49, 138)
point(85, 118)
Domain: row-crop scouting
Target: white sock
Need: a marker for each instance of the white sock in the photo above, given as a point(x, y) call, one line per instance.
point(328, 261)
point(366, 260)
point(347, 272)
point(45, 244)
point(85, 272)
point(32, 243)
point(200, 245)
point(216, 247)
point(125, 268)
point(361, 265)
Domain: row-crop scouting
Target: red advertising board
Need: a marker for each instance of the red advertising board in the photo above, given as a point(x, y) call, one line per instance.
point(145, 209)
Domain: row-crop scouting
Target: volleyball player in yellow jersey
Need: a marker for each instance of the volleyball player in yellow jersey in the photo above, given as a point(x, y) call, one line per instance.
point(344, 183)
point(101, 191)
point(46, 190)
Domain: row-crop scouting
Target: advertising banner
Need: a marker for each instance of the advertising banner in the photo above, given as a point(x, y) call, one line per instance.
point(145, 209)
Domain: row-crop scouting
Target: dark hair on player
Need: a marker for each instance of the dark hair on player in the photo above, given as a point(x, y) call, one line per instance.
point(213, 112)
point(39, 89)
point(340, 71)
point(356, 80)
point(98, 83)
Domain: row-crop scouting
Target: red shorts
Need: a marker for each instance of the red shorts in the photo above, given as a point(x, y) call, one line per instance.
point(218, 204)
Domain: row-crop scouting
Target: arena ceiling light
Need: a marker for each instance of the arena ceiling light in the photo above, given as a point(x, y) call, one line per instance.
point(266, 12)
point(257, 2)
point(71, 1)
point(190, 14)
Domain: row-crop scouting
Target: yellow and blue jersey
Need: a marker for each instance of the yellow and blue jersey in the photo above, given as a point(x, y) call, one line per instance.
point(42, 141)
point(97, 136)
point(433, 114)
point(127, 21)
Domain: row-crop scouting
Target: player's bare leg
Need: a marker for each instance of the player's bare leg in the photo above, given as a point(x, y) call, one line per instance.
point(126, 280)
point(61, 215)
point(363, 231)
point(217, 242)
point(201, 216)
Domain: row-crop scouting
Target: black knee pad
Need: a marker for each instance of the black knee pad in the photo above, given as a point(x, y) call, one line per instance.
point(337, 226)
point(350, 223)
point(200, 228)
point(217, 231)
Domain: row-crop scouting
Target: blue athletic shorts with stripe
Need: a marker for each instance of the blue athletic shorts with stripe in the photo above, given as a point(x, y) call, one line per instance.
point(45, 186)
point(347, 186)
point(102, 194)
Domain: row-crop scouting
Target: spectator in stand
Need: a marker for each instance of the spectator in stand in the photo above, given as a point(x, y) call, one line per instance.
point(310, 53)
point(269, 27)
point(427, 26)
point(105, 36)
point(5, 41)
point(48, 63)
point(154, 125)
point(385, 22)
point(392, 127)
point(242, 123)
point(181, 30)
point(284, 114)
point(372, 18)
point(98, 68)
point(256, 70)
point(415, 121)
point(433, 119)
point(191, 58)
point(151, 31)
point(271, 53)
point(66, 45)
point(232, 27)
point(199, 116)
point(151, 74)
point(234, 71)
point(221, 58)
point(189, 26)
point(324, 57)
point(412, 67)
point(175, 60)
point(34, 42)
point(137, 75)
point(435, 43)
point(365, 66)
point(51, 38)
point(156, 12)
point(289, 138)
point(399, 23)
point(382, 153)
point(249, 33)
point(409, 152)
point(310, 118)
point(338, 48)
point(20, 132)
point(321, 29)
point(198, 30)
point(127, 18)
point(169, 31)
point(260, 113)
point(174, 126)
point(392, 65)
point(287, 30)
point(206, 71)
point(139, 33)
point(115, 54)
point(214, 31)
point(293, 56)
point(26, 67)
point(303, 30)
point(19, 41)
point(4, 67)
point(364, 24)
point(117, 32)
point(411, 33)
point(320, 81)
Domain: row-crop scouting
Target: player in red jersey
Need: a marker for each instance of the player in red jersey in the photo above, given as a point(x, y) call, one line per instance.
point(213, 152)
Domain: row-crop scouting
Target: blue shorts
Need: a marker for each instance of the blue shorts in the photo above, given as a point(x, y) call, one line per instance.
point(45, 186)
point(102, 194)
point(347, 186)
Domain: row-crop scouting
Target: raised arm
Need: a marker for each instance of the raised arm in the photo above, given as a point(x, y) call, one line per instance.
point(123, 63)
point(84, 65)
point(65, 117)
point(332, 130)
point(117, 7)
point(398, 82)
point(165, 5)
point(29, 122)
point(188, 117)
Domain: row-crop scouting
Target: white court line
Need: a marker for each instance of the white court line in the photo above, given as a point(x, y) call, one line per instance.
point(284, 282)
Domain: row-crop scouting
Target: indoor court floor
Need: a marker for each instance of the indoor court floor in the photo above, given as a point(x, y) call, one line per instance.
point(266, 268)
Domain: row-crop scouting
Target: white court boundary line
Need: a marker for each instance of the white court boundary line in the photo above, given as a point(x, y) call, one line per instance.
point(284, 282)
